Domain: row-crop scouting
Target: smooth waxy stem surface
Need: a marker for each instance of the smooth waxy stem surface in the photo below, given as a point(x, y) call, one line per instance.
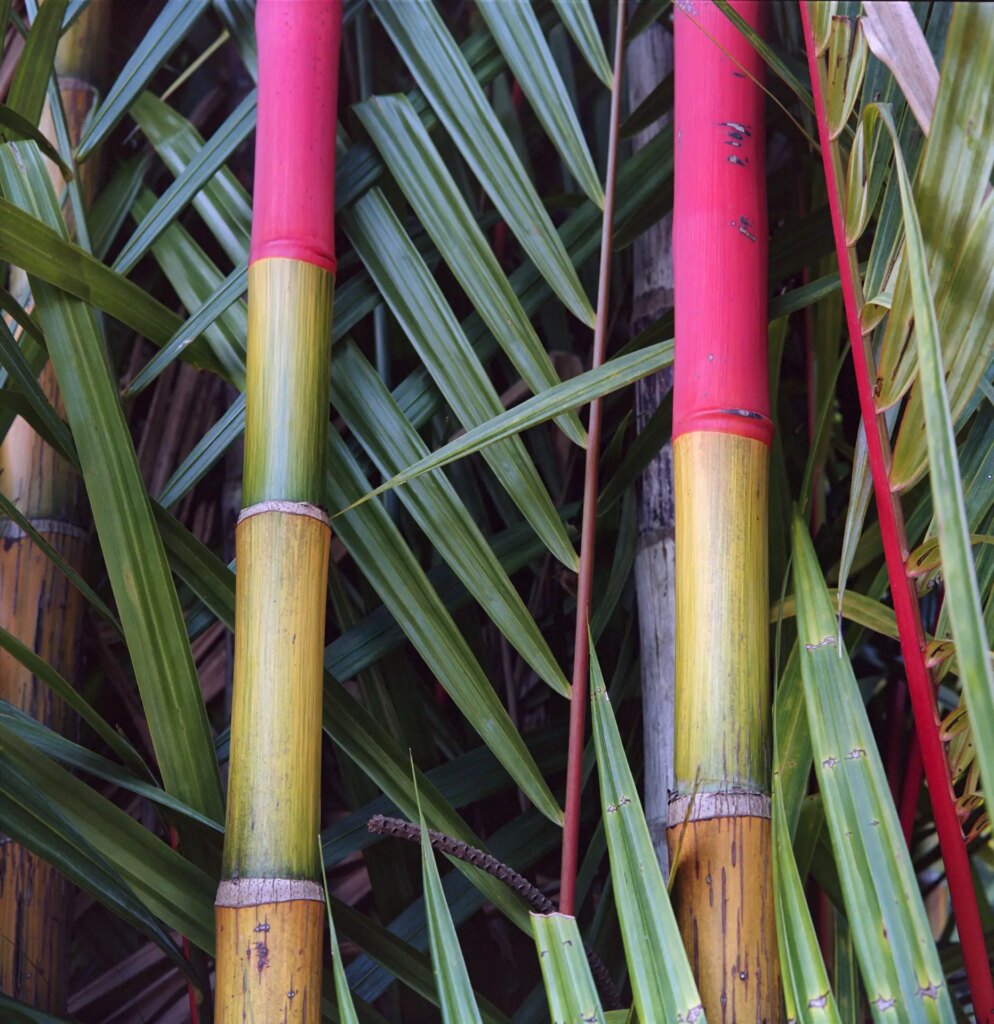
point(719, 816)
point(269, 907)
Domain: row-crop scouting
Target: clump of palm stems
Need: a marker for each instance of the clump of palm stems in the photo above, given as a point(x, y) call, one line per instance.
point(392, 627)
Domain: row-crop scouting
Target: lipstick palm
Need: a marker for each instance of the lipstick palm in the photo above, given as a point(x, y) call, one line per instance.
point(270, 909)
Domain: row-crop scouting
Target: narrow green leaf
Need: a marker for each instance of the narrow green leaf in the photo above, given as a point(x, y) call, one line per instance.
point(860, 493)
point(211, 156)
point(903, 975)
point(808, 995)
point(20, 315)
point(951, 182)
point(205, 453)
point(222, 202)
point(462, 780)
point(792, 766)
point(639, 181)
point(21, 374)
point(373, 540)
point(408, 965)
point(114, 203)
point(962, 594)
point(644, 447)
point(657, 104)
point(860, 197)
point(46, 255)
point(14, 126)
point(233, 288)
point(378, 633)
point(53, 745)
point(72, 697)
point(569, 985)
point(199, 283)
point(143, 588)
point(611, 376)
point(168, 30)
point(847, 53)
point(448, 83)
point(14, 404)
point(34, 812)
point(854, 607)
point(455, 993)
point(421, 173)
point(662, 981)
point(966, 328)
point(426, 317)
point(578, 18)
point(363, 400)
point(517, 31)
point(35, 66)
point(77, 206)
point(343, 997)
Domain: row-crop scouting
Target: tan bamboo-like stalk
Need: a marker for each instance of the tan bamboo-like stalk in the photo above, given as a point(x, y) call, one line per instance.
point(37, 603)
point(650, 60)
point(720, 813)
point(270, 903)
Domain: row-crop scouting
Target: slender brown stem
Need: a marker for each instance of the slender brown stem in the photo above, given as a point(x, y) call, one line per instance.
point(581, 651)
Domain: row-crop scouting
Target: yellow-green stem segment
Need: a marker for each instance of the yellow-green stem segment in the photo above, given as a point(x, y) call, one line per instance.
point(722, 692)
point(269, 908)
point(719, 818)
point(289, 352)
point(281, 549)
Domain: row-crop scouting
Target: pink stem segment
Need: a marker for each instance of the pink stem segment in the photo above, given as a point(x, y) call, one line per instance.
point(294, 209)
point(720, 381)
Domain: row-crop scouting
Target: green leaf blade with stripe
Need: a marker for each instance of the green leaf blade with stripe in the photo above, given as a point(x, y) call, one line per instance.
point(455, 993)
point(366, 405)
point(426, 317)
point(578, 18)
point(420, 171)
point(140, 578)
point(519, 35)
point(569, 985)
point(661, 978)
point(166, 33)
point(897, 955)
point(449, 85)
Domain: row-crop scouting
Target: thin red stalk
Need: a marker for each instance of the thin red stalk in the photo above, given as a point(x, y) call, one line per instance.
point(920, 684)
point(581, 650)
point(911, 788)
point(895, 737)
point(191, 992)
point(808, 321)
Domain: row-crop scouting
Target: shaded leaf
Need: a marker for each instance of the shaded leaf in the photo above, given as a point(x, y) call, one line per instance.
point(167, 32)
point(903, 976)
point(448, 83)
